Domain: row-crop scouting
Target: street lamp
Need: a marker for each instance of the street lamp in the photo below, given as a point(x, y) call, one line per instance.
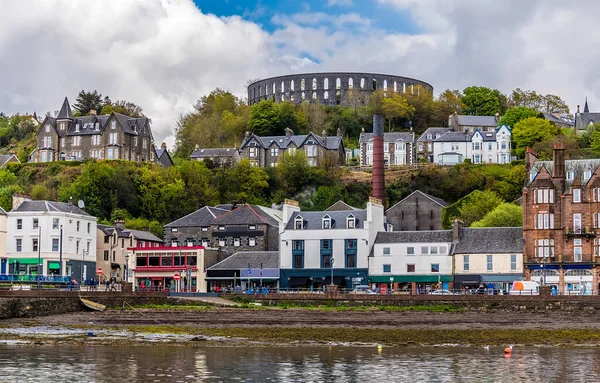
point(126, 267)
point(331, 262)
point(83, 251)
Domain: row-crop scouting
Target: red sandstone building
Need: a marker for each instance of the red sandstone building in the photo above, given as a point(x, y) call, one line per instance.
point(561, 219)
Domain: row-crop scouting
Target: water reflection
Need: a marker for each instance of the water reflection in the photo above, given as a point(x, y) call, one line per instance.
point(166, 363)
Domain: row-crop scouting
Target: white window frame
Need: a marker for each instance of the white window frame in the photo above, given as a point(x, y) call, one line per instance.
point(576, 195)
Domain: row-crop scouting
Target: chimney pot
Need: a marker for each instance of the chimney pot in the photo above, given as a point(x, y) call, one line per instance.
point(70, 200)
point(92, 112)
point(163, 146)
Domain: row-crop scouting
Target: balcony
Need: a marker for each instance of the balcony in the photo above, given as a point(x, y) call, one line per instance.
point(578, 231)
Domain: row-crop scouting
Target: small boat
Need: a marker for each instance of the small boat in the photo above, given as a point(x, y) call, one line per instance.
point(92, 305)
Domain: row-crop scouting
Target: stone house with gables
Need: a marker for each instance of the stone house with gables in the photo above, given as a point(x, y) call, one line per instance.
point(398, 148)
point(114, 136)
point(266, 151)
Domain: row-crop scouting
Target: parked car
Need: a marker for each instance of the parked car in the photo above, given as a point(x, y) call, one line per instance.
point(441, 292)
point(363, 289)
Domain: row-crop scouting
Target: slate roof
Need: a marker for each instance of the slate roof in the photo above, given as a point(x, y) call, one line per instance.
point(225, 206)
point(126, 233)
point(477, 120)
point(65, 110)
point(433, 132)
point(560, 119)
point(293, 141)
point(414, 236)
point(87, 125)
point(5, 158)
point(240, 260)
point(578, 166)
point(245, 214)
point(340, 206)
point(199, 218)
point(439, 201)
point(313, 220)
point(489, 240)
point(214, 152)
point(487, 136)
point(50, 206)
point(584, 119)
point(144, 235)
point(389, 137)
point(454, 137)
point(3, 212)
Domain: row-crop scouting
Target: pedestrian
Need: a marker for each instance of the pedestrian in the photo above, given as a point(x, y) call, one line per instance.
point(112, 286)
point(106, 285)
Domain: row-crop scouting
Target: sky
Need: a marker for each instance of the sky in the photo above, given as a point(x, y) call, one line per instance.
point(166, 54)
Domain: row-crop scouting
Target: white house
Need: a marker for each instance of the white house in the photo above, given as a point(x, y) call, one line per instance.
point(398, 148)
point(492, 147)
point(492, 256)
point(41, 234)
point(412, 260)
point(313, 244)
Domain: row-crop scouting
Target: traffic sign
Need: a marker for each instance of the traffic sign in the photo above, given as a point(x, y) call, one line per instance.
point(99, 270)
point(176, 276)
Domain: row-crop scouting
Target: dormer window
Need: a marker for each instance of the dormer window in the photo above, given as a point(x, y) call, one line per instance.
point(350, 222)
point(113, 124)
point(326, 222)
point(77, 127)
point(298, 223)
point(97, 126)
point(570, 175)
point(587, 174)
point(430, 137)
point(532, 174)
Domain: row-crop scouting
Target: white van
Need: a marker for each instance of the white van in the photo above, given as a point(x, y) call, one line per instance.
point(525, 288)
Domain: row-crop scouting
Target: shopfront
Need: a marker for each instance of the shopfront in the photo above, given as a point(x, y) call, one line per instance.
point(317, 279)
point(419, 284)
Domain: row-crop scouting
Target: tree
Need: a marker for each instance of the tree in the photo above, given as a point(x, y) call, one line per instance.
point(504, 215)
point(87, 101)
point(482, 101)
point(315, 115)
point(395, 107)
point(529, 131)
point(123, 107)
point(294, 171)
point(447, 103)
point(478, 205)
point(514, 115)
point(421, 99)
point(542, 103)
point(264, 119)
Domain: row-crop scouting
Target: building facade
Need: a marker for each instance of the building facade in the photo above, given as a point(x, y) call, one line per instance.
point(318, 244)
point(471, 124)
point(491, 256)
point(424, 145)
point(418, 211)
point(103, 137)
point(412, 261)
point(561, 201)
point(267, 151)
point(163, 157)
point(50, 238)
point(398, 148)
point(218, 157)
point(246, 270)
point(492, 147)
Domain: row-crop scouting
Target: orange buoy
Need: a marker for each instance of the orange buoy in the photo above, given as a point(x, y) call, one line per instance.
point(508, 350)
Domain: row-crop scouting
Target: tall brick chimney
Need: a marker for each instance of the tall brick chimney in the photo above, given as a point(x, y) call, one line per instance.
point(558, 157)
point(378, 177)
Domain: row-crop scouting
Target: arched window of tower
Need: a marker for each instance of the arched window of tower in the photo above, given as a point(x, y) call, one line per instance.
point(282, 87)
point(274, 91)
point(303, 96)
point(326, 95)
point(350, 83)
point(385, 85)
point(338, 83)
point(282, 97)
point(314, 95)
point(292, 97)
point(326, 83)
point(292, 85)
point(302, 84)
point(314, 84)
point(374, 84)
point(395, 87)
point(362, 83)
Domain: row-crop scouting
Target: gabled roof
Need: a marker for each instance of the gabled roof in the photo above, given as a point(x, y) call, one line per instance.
point(126, 233)
point(245, 214)
point(87, 125)
point(477, 120)
point(439, 201)
point(293, 141)
point(50, 206)
point(489, 240)
point(486, 136)
point(414, 236)
point(214, 152)
point(144, 235)
point(559, 118)
point(313, 220)
point(241, 260)
point(578, 166)
point(389, 137)
point(3, 212)
point(5, 158)
point(65, 111)
point(433, 132)
point(199, 218)
point(454, 137)
point(340, 206)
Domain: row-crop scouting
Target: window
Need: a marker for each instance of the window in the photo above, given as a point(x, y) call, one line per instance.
point(113, 124)
point(596, 194)
point(96, 139)
point(251, 227)
point(576, 195)
point(34, 244)
point(222, 242)
point(221, 228)
point(424, 250)
point(274, 152)
point(435, 267)
point(410, 250)
point(77, 225)
point(76, 140)
point(326, 261)
point(596, 247)
point(543, 221)
point(236, 242)
point(76, 128)
point(113, 138)
point(351, 260)
point(410, 268)
point(19, 244)
point(47, 142)
point(251, 241)
point(63, 142)
point(544, 248)
point(443, 250)
point(106, 255)
point(433, 250)
point(47, 128)
point(326, 222)
point(387, 268)
point(326, 244)
point(386, 251)
point(54, 244)
point(77, 246)
point(350, 222)
point(577, 223)
point(298, 223)
point(577, 254)
point(571, 175)
point(35, 223)
point(251, 152)
point(543, 196)
point(465, 262)
point(587, 174)
point(89, 227)
point(490, 263)
point(298, 261)
point(311, 150)
point(298, 244)
point(476, 145)
point(513, 261)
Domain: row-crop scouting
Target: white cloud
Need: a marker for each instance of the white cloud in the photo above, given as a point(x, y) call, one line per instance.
point(343, 3)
